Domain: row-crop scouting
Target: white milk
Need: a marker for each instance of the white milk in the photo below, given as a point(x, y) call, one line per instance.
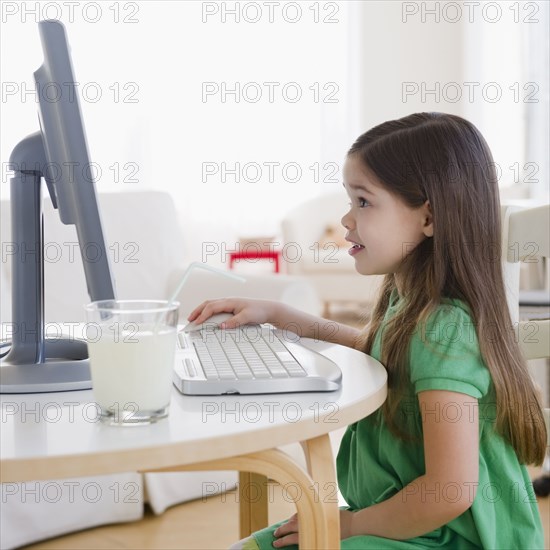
point(135, 369)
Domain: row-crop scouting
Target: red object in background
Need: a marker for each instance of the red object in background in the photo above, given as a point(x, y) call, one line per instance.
point(273, 255)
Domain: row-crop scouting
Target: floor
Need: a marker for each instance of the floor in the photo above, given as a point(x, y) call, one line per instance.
point(171, 530)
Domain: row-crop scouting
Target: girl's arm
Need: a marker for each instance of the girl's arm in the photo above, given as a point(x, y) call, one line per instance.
point(311, 326)
point(280, 315)
point(447, 489)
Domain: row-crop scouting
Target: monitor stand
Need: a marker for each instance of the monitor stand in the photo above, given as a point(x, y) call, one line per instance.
point(35, 363)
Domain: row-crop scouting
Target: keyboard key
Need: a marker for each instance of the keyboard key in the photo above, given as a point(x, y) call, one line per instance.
point(285, 356)
point(279, 373)
point(182, 343)
point(190, 366)
point(244, 374)
point(262, 374)
point(227, 375)
point(297, 373)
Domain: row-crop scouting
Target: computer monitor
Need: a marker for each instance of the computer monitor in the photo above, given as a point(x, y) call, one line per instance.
point(58, 153)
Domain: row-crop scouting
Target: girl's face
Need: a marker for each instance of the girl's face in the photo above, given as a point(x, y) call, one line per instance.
point(382, 228)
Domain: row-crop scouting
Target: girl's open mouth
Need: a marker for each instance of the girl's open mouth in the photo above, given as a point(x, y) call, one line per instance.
point(355, 249)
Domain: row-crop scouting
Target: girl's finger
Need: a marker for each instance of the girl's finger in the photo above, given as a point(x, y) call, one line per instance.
point(288, 540)
point(234, 322)
point(216, 306)
point(194, 314)
point(291, 526)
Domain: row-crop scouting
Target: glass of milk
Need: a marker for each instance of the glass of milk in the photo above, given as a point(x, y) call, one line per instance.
point(131, 344)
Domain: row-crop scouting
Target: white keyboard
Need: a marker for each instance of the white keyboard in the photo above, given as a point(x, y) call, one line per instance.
point(249, 359)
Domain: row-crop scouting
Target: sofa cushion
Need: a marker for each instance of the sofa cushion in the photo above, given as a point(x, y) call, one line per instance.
point(38, 510)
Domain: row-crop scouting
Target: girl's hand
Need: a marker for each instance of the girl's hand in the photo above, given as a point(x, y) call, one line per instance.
point(244, 311)
point(287, 534)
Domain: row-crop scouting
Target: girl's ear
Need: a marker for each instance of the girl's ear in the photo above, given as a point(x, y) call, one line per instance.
point(428, 227)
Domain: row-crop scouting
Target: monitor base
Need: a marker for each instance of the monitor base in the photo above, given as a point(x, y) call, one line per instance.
point(54, 375)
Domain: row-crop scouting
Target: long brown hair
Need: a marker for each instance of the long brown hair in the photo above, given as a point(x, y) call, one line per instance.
point(444, 159)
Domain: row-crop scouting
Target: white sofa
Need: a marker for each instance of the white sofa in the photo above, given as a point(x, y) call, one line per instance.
point(148, 259)
point(313, 237)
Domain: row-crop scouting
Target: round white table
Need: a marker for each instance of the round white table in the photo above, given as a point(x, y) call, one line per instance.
point(58, 435)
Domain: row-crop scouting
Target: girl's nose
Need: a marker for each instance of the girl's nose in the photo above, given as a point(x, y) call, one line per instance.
point(347, 221)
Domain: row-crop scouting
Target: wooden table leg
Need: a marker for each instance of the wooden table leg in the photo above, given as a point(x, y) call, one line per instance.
point(253, 505)
point(319, 525)
point(320, 464)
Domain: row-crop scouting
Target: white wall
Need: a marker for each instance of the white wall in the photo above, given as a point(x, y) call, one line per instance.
point(152, 127)
point(400, 50)
point(470, 60)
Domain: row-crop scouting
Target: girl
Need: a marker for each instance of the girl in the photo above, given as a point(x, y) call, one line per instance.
point(441, 464)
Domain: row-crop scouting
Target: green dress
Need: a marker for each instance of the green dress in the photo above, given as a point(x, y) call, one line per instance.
point(373, 464)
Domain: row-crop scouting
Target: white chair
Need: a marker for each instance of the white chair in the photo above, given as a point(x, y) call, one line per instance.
point(526, 238)
point(326, 265)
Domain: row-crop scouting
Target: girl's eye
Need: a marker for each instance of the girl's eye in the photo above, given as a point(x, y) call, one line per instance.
point(361, 203)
